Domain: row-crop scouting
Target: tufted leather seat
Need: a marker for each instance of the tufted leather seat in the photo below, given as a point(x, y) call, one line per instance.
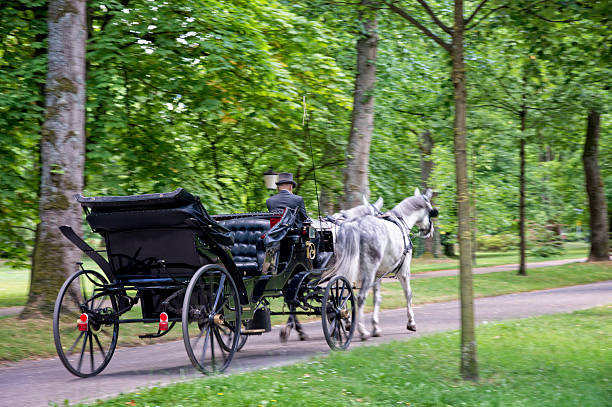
point(248, 250)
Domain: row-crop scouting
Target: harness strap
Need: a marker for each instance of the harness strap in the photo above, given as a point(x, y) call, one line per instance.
point(401, 224)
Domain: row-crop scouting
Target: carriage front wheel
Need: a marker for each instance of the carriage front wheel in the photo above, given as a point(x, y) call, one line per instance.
point(85, 323)
point(211, 315)
point(338, 313)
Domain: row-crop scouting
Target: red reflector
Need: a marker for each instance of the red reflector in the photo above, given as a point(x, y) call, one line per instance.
point(163, 321)
point(82, 323)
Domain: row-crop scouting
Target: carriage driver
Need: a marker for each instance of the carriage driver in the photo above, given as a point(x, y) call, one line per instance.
point(285, 198)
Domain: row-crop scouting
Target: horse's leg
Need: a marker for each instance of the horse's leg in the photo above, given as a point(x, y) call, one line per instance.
point(286, 330)
point(366, 283)
point(377, 301)
point(299, 328)
point(404, 277)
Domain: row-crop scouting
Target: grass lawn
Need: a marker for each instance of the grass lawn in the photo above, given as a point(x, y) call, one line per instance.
point(36, 337)
point(571, 250)
point(560, 360)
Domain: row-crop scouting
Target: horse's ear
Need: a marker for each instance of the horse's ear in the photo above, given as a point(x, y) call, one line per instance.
point(417, 192)
point(364, 200)
point(428, 194)
point(379, 203)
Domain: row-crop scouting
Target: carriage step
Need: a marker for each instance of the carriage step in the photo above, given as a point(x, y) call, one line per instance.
point(252, 331)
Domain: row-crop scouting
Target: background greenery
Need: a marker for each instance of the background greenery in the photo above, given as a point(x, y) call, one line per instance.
point(208, 95)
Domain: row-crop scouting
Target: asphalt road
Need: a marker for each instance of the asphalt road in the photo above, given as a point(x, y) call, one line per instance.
point(37, 383)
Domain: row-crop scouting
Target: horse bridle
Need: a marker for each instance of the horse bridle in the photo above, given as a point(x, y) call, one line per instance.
point(433, 213)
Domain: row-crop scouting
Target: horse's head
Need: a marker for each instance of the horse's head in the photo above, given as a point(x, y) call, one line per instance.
point(425, 218)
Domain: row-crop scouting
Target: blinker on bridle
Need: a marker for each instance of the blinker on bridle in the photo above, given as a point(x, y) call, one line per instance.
point(433, 213)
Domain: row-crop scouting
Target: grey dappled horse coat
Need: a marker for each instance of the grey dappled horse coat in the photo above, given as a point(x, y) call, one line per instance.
point(370, 247)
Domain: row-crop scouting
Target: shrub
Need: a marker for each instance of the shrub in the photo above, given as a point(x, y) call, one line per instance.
point(497, 243)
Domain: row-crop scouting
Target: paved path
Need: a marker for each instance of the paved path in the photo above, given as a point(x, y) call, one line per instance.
point(35, 383)
point(438, 273)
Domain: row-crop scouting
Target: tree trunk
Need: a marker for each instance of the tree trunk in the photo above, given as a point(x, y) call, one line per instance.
point(600, 243)
point(62, 148)
point(522, 244)
point(362, 124)
point(469, 365)
point(473, 215)
point(427, 164)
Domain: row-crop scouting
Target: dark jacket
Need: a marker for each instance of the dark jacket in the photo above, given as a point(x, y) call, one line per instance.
point(285, 199)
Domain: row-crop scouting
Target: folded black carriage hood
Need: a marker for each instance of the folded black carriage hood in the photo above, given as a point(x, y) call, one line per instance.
point(169, 209)
point(174, 199)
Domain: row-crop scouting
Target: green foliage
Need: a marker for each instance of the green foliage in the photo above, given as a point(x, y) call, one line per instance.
point(208, 95)
point(22, 73)
point(501, 242)
point(544, 241)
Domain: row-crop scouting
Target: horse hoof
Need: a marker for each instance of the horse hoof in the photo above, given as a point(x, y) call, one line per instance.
point(411, 327)
point(284, 335)
point(377, 333)
point(364, 338)
point(303, 336)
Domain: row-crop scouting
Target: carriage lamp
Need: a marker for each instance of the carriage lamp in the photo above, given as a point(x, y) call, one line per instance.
point(270, 178)
point(163, 321)
point(83, 322)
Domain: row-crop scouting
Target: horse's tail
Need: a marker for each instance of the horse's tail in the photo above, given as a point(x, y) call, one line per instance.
point(347, 252)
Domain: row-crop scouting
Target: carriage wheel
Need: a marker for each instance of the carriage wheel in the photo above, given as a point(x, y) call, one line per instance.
point(84, 303)
point(226, 334)
point(211, 308)
point(338, 313)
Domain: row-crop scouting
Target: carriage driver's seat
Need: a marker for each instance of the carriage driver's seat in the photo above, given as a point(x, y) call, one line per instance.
point(248, 250)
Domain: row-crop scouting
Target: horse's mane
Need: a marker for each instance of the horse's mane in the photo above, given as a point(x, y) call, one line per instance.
point(409, 205)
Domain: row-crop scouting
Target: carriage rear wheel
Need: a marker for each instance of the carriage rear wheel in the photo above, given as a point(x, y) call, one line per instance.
point(211, 313)
point(338, 313)
point(85, 323)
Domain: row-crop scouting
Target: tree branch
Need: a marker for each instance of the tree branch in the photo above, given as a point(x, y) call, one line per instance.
point(408, 112)
point(435, 19)
point(485, 16)
point(420, 26)
point(476, 10)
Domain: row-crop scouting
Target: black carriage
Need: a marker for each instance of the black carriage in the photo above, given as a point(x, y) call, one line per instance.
point(216, 275)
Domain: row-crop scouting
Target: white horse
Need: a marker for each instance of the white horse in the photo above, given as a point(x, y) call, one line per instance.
point(371, 247)
point(332, 223)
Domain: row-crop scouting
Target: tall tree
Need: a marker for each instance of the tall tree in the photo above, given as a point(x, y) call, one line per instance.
point(600, 241)
point(62, 148)
point(469, 366)
point(362, 123)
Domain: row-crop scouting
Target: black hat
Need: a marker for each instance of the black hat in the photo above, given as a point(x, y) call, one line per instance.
point(286, 178)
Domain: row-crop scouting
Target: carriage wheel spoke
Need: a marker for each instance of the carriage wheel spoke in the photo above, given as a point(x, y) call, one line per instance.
point(220, 307)
point(100, 346)
point(219, 290)
point(344, 301)
point(339, 330)
point(83, 351)
point(91, 353)
point(219, 340)
point(205, 344)
point(197, 339)
point(212, 351)
point(74, 344)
